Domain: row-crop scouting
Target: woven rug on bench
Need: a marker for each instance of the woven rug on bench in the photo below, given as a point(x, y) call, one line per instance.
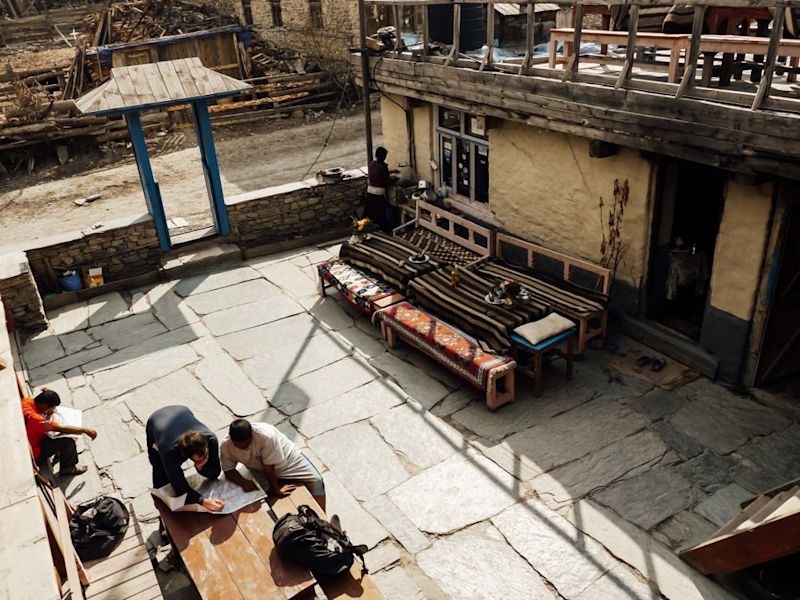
point(438, 247)
point(459, 351)
point(356, 287)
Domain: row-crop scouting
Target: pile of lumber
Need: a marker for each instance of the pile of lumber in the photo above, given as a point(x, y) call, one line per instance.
point(51, 29)
point(41, 73)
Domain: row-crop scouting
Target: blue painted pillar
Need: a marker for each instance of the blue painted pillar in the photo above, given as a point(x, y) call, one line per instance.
point(208, 155)
point(152, 193)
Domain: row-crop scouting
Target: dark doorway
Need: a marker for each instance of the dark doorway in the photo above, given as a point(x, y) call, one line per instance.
point(688, 216)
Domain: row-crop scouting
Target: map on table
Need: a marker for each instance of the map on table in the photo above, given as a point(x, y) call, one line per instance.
point(231, 494)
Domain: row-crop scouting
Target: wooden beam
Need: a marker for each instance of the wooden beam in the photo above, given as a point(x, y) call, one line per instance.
point(399, 45)
point(772, 54)
point(488, 59)
point(568, 3)
point(694, 51)
point(572, 66)
point(630, 49)
point(426, 32)
point(456, 34)
point(529, 38)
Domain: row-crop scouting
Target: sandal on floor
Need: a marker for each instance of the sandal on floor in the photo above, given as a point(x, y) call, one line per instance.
point(658, 364)
point(644, 361)
point(78, 470)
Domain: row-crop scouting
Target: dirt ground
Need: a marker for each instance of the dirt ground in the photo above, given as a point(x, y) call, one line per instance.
point(42, 204)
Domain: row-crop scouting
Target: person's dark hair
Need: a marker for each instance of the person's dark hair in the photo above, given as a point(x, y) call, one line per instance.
point(193, 443)
point(240, 431)
point(48, 398)
point(380, 153)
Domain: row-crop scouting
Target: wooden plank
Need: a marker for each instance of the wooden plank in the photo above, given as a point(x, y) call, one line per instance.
point(201, 77)
point(257, 526)
point(751, 509)
point(131, 587)
point(151, 593)
point(630, 47)
point(762, 513)
point(157, 85)
point(141, 572)
point(247, 570)
point(118, 561)
point(184, 73)
point(71, 559)
point(693, 53)
point(126, 88)
point(765, 84)
point(140, 76)
point(281, 506)
point(171, 81)
point(572, 67)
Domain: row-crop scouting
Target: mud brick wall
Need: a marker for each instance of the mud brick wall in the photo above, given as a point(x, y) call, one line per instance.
point(19, 294)
point(123, 248)
point(296, 210)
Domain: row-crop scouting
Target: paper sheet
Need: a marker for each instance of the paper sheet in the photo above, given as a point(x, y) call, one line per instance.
point(66, 416)
point(234, 497)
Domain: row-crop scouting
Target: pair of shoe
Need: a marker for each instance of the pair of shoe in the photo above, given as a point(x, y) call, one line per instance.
point(655, 363)
point(77, 470)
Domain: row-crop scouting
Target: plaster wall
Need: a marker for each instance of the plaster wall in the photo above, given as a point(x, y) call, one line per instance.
point(544, 187)
point(395, 133)
point(423, 140)
point(739, 253)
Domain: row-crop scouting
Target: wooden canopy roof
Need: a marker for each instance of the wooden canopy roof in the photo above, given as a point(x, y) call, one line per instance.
point(139, 87)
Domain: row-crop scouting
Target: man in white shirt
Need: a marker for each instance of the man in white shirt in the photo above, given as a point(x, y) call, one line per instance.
point(261, 446)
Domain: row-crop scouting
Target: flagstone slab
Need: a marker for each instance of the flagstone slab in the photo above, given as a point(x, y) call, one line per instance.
point(300, 393)
point(686, 529)
point(702, 421)
point(362, 342)
point(85, 398)
point(456, 493)
point(199, 284)
point(180, 387)
point(272, 336)
point(360, 525)
point(724, 504)
point(207, 346)
point(422, 438)
point(651, 497)
point(115, 441)
point(457, 400)
point(355, 405)
point(473, 567)
point(57, 383)
point(70, 361)
point(618, 583)
point(71, 317)
point(399, 525)
point(227, 382)
point(567, 559)
point(41, 350)
point(362, 461)
point(329, 312)
point(105, 308)
point(289, 278)
point(755, 418)
point(382, 556)
point(619, 460)
point(80, 488)
point(686, 446)
point(771, 460)
point(415, 382)
point(169, 308)
point(234, 295)
point(281, 363)
point(709, 471)
point(658, 403)
point(133, 476)
point(395, 584)
point(119, 380)
point(253, 314)
point(75, 378)
point(127, 332)
point(76, 341)
point(575, 433)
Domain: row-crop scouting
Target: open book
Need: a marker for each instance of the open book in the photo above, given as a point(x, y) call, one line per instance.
point(66, 416)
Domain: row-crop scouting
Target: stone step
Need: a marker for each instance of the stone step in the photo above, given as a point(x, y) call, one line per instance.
point(198, 257)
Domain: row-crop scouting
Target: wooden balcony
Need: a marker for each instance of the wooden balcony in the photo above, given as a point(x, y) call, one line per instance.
point(688, 98)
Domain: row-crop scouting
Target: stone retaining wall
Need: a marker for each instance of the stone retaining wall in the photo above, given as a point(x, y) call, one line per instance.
point(19, 294)
point(295, 210)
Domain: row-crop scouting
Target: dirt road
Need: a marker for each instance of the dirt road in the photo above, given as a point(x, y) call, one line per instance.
point(248, 161)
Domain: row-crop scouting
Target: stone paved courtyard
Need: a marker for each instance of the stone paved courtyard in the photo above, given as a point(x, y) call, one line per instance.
point(582, 493)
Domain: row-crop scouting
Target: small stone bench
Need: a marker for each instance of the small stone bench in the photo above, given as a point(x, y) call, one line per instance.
point(549, 348)
point(365, 293)
point(449, 346)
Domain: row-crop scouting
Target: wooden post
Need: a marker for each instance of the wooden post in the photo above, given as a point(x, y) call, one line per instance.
point(772, 54)
point(489, 58)
point(399, 46)
point(208, 155)
point(426, 33)
point(572, 66)
point(630, 49)
point(694, 51)
point(456, 35)
point(529, 38)
point(362, 42)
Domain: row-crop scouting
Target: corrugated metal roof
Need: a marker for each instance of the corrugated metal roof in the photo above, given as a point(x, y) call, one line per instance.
point(519, 9)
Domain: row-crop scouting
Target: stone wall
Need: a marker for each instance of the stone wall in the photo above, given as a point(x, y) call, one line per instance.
point(123, 248)
point(295, 211)
point(19, 294)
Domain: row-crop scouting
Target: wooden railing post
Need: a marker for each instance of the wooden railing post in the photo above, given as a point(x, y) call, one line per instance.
point(489, 57)
point(426, 33)
point(529, 38)
point(772, 55)
point(456, 35)
point(694, 51)
point(630, 49)
point(572, 66)
point(399, 45)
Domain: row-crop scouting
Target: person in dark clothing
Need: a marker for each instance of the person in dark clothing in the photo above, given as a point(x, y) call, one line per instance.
point(380, 178)
point(174, 435)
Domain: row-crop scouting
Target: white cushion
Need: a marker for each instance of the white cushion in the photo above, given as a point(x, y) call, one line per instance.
point(543, 329)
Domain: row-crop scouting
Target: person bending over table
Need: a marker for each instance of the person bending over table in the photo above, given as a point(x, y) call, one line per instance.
point(261, 446)
point(174, 435)
point(38, 412)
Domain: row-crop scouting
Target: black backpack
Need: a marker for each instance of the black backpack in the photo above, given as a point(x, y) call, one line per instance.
point(316, 544)
point(98, 526)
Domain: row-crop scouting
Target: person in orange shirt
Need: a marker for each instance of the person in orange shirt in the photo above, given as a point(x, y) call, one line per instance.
point(37, 413)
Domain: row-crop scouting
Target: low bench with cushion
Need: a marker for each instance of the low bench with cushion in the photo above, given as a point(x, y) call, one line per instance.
point(365, 293)
point(542, 340)
point(452, 348)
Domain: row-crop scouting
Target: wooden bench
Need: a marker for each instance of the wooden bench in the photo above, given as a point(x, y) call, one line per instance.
point(363, 292)
point(675, 43)
point(540, 352)
point(233, 556)
point(354, 584)
point(446, 237)
point(452, 348)
point(711, 45)
point(593, 320)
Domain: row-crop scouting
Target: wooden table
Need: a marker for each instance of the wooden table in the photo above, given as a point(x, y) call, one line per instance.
point(232, 557)
point(676, 43)
point(722, 20)
point(711, 45)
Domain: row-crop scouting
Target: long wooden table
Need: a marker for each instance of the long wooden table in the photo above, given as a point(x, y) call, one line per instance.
point(711, 45)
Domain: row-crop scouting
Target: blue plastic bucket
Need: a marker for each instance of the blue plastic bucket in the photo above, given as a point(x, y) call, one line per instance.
point(70, 283)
